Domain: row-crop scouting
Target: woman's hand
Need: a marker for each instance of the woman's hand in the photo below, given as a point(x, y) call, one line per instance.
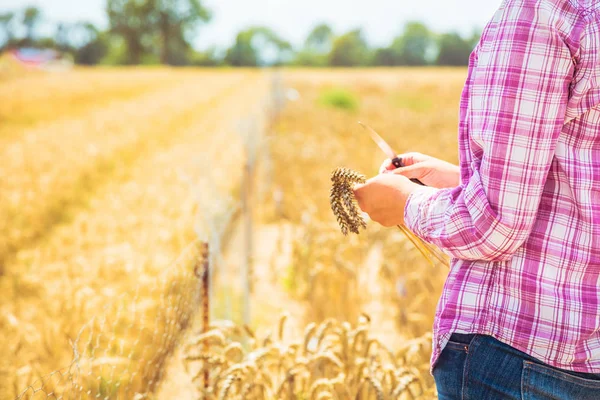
point(429, 170)
point(384, 197)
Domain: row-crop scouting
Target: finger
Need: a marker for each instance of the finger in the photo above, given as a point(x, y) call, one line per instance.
point(358, 187)
point(414, 171)
point(358, 192)
point(386, 166)
point(412, 158)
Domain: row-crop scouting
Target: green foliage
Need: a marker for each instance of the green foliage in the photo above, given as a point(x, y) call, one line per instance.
point(94, 48)
point(412, 47)
point(455, 50)
point(61, 37)
point(163, 31)
point(339, 98)
point(31, 18)
point(246, 51)
point(164, 28)
point(7, 28)
point(177, 22)
point(242, 53)
point(130, 20)
point(350, 49)
point(306, 58)
point(316, 47)
point(385, 56)
point(116, 52)
point(289, 280)
point(320, 39)
point(208, 58)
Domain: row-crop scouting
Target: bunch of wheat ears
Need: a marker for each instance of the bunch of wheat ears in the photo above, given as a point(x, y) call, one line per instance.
point(333, 360)
point(345, 209)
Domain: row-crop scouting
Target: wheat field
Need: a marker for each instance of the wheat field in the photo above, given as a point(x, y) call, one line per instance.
point(111, 177)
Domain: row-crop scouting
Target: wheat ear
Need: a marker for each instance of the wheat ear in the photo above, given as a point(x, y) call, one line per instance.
point(345, 209)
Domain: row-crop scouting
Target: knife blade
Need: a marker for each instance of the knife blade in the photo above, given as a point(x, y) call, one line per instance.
point(387, 149)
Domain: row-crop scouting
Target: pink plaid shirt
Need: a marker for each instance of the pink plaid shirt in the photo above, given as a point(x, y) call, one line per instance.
point(523, 227)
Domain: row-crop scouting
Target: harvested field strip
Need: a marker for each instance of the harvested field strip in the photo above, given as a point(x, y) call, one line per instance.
point(45, 97)
point(42, 189)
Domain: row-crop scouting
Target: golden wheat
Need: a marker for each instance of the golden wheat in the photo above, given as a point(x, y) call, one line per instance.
point(343, 203)
point(332, 360)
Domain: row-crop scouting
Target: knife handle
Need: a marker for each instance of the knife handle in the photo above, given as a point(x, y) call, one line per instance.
point(397, 162)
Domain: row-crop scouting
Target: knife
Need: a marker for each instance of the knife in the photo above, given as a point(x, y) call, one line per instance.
point(387, 149)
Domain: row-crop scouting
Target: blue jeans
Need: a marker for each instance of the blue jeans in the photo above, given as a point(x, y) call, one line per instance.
point(479, 367)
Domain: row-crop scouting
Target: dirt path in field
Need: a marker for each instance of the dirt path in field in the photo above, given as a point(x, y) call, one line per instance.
point(376, 302)
point(272, 252)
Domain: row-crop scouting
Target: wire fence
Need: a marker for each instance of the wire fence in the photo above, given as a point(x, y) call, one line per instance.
point(121, 353)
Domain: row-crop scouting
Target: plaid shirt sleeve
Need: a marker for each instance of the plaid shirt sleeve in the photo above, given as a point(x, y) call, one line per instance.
point(519, 91)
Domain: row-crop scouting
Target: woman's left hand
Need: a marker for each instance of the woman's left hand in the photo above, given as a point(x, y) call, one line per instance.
point(383, 197)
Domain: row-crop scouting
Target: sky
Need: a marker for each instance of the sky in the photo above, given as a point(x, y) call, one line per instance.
point(381, 20)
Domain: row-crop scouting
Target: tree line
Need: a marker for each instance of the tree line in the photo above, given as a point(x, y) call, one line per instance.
point(164, 31)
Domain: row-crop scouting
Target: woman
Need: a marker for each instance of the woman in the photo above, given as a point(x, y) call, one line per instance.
point(519, 316)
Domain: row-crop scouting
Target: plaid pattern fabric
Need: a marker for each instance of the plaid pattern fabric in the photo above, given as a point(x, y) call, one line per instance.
point(523, 227)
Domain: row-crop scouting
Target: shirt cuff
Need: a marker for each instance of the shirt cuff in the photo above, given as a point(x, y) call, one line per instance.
point(412, 209)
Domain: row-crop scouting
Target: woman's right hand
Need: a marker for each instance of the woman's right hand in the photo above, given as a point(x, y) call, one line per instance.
point(429, 170)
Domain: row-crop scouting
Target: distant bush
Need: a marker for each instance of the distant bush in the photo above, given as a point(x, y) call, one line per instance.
point(339, 98)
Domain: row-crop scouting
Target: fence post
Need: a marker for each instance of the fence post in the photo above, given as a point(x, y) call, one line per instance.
point(205, 283)
point(247, 218)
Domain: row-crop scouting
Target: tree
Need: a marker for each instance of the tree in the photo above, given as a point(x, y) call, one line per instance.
point(308, 58)
point(61, 37)
point(206, 58)
point(475, 37)
point(257, 46)
point(6, 27)
point(131, 20)
point(320, 39)
point(31, 18)
point(242, 53)
point(93, 46)
point(350, 49)
point(156, 28)
point(413, 45)
point(385, 56)
point(176, 21)
point(453, 50)
point(317, 45)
